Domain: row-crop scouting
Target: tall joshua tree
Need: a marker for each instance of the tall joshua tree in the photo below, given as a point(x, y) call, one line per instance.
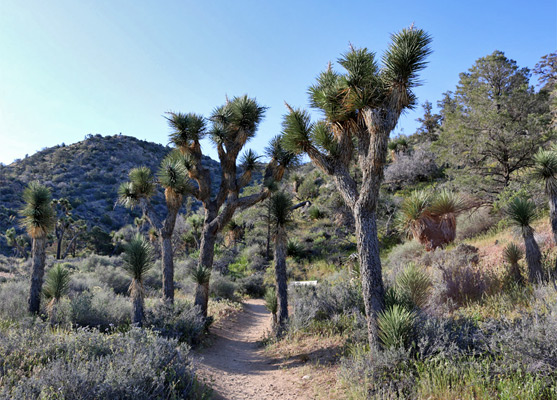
point(281, 210)
point(39, 220)
point(521, 213)
point(138, 259)
point(361, 108)
point(138, 191)
point(232, 125)
point(545, 168)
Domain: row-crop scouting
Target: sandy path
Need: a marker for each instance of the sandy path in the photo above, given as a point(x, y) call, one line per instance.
point(237, 368)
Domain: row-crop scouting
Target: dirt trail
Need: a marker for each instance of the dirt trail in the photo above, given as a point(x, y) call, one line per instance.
point(237, 368)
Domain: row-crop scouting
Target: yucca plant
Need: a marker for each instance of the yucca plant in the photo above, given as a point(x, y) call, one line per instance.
point(545, 169)
point(56, 286)
point(396, 325)
point(201, 276)
point(281, 216)
point(512, 255)
point(522, 213)
point(361, 108)
point(415, 284)
point(138, 259)
point(38, 219)
point(271, 303)
point(431, 217)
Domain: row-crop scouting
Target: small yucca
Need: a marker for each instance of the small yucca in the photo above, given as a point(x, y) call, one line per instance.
point(415, 284)
point(396, 325)
point(271, 302)
point(200, 275)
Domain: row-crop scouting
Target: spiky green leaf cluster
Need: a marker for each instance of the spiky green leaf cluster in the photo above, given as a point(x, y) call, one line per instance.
point(200, 274)
point(141, 185)
point(277, 151)
point(415, 284)
point(138, 257)
point(248, 162)
point(281, 208)
point(236, 122)
point(172, 173)
point(57, 282)
point(512, 253)
point(521, 212)
point(413, 207)
point(446, 202)
point(187, 129)
point(297, 131)
point(545, 169)
point(396, 326)
point(38, 214)
point(402, 61)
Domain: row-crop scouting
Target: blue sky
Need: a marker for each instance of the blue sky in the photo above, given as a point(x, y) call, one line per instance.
point(70, 68)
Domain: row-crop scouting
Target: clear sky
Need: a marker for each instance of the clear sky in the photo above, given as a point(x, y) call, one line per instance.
point(69, 68)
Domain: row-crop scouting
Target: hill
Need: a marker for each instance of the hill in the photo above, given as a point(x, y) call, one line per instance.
point(88, 173)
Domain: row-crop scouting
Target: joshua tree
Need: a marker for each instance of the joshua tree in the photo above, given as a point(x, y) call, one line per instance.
point(281, 210)
point(138, 191)
point(521, 213)
point(38, 219)
point(545, 168)
point(232, 126)
point(18, 242)
point(138, 259)
point(431, 217)
point(512, 254)
point(56, 286)
point(361, 109)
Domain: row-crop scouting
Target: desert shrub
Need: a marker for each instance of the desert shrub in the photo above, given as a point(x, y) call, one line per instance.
point(271, 301)
point(415, 284)
point(100, 308)
point(474, 223)
point(315, 213)
point(85, 364)
point(252, 285)
point(410, 168)
point(82, 282)
point(115, 278)
point(13, 299)
point(222, 286)
point(341, 294)
point(182, 321)
point(402, 255)
point(395, 326)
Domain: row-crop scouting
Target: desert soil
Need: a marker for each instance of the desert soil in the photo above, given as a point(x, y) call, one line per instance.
point(236, 367)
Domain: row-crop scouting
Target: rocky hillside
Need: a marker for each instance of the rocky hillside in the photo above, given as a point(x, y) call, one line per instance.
point(88, 173)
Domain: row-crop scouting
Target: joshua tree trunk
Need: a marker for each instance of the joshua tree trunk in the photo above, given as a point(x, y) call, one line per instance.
point(167, 252)
point(206, 257)
point(280, 274)
point(533, 256)
point(167, 268)
point(59, 248)
point(202, 297)
point(39, 256)
point(553, 215)
point(138, 314)
point(370, 269)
